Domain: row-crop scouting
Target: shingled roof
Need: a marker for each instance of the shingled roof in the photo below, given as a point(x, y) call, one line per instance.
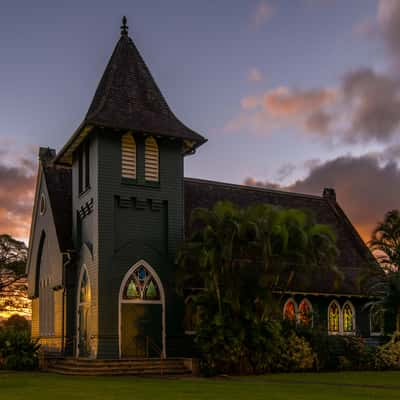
point(59, 187)
point(128, 98)
point(353, 257)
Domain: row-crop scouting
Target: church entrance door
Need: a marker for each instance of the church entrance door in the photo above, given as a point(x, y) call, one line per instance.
point(141, 312)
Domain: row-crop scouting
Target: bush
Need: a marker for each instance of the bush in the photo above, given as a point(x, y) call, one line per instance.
point(17, 322)
point(297, 355)
point(17, 350)
point(388, 355)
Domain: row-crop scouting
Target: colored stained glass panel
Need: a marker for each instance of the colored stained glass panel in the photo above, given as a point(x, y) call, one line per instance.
point(132, 291)
point(152, 292)
point(333, 316)
point(305, 313)
point(348, 318)
point(290, 311)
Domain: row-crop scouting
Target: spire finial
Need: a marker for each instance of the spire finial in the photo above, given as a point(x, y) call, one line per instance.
point(124, 26)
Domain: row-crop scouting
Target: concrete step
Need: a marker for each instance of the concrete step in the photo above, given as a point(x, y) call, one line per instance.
point(118, 367)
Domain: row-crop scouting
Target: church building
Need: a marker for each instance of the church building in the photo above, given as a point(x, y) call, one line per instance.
point(111, 208)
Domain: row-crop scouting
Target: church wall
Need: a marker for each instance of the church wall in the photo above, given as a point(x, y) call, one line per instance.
point(44, 275)
point(85, 238)
point(137, 221)
point(320, 304)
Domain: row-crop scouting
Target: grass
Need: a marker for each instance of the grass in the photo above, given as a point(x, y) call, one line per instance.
point(344, 385)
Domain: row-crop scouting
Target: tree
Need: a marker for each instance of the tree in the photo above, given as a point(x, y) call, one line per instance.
point(13, 288)
point(13, 257)
point(240, 260)
point(385, 244)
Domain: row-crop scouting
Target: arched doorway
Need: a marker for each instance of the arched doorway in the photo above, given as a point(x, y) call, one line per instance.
point(83, 348)
point(141, 313)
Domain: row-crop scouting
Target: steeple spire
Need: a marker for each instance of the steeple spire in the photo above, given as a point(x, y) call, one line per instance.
point(124, 26)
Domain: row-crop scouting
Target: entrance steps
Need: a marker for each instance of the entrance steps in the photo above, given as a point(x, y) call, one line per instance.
point(146, 366)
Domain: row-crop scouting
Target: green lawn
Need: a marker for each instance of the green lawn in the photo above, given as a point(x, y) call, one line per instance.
point(345, 385)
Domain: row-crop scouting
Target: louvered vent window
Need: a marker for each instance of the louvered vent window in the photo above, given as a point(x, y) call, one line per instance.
point(151, 160)
point(128, 150)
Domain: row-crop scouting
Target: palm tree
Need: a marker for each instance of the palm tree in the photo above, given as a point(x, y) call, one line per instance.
point(385, 244)
point(208, 255)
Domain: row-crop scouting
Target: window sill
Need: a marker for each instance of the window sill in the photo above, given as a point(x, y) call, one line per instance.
point(128, 181)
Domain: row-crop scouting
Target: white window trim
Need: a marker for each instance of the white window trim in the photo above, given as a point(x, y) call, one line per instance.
point(121, 300)
point(340, 318)
point(371, 332)
point(79, 303)
point(353, 332)
point(296, 309)
point(341, 324)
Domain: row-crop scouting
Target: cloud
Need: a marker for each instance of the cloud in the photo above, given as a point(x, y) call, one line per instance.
point(365, 188)
point(389, 26)
point(374, 101)
point(254, 75)
point(364, 107)
point(284, 106)
point(16, 197)
point(263, 13)
point(285, 171)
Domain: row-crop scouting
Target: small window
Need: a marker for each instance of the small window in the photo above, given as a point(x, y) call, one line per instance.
point(151, 158)
point(42, 206)
point(80, 170)
point(305, 313)
point(348, 318)
point(334, 317)
point(87, 164)
point(290, 310)
point(128, 156)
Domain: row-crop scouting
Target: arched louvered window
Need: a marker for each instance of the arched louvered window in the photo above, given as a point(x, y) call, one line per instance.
point(128, 156)
point(151, 160)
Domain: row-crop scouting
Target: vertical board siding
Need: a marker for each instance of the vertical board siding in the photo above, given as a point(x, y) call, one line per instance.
point(35, 318)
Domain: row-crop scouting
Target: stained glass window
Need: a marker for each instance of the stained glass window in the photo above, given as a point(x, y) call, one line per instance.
point(348, 318)
point(289, 311)
point(333, 317)
point(305, 313)
point(141, 285)
point(85, 288)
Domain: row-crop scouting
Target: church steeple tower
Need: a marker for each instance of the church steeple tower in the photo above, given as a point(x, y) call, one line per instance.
point(127, 98)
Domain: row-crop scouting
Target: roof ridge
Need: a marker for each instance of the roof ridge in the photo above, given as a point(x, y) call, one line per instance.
point(256, 188)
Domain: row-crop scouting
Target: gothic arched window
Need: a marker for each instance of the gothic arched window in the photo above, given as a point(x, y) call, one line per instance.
point(85, 293)
point(334, 317)
point(290, 310)
point(151, 160)
point(128, 156)
point(141, 285)
point(305, 313)
point(348, 318)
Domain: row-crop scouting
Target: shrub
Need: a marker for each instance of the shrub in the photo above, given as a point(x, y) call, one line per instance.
point(297, 355)
point(17, 350)
point(388, 355)
point(17, 322)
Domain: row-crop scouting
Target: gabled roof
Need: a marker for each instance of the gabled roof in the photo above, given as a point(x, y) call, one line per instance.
point(354, 255)
point(128, 98)
point(59, 186)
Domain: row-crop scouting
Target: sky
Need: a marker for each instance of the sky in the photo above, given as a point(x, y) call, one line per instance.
point(292, 94)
